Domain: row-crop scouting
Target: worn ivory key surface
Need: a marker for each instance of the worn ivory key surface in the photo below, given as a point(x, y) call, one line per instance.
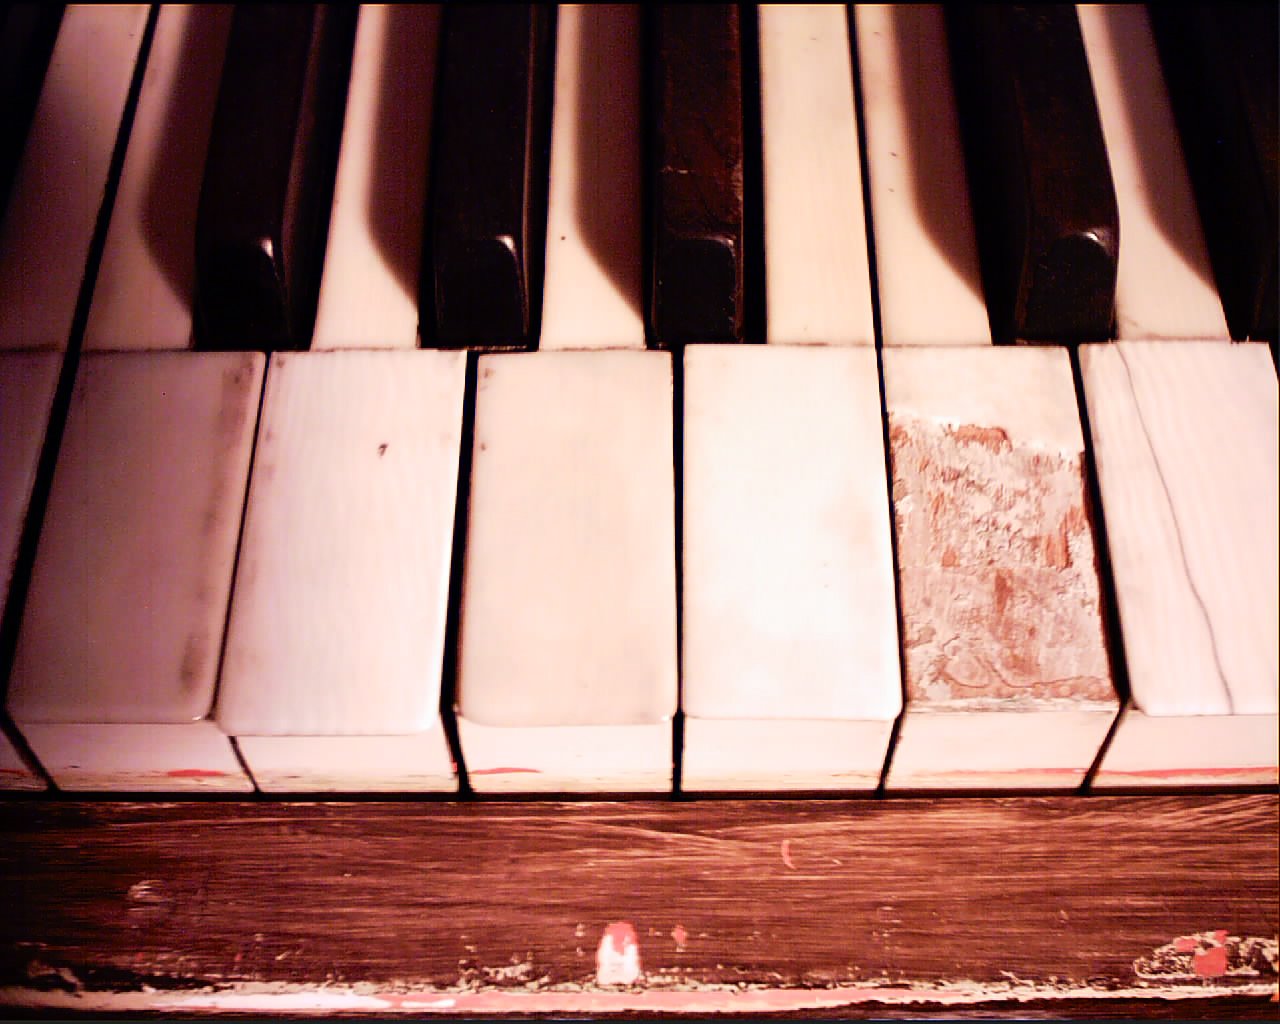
point(1005, 664)
point(918, 190)
point(1185, 438)
point(790, 653)
point(331, 676)
point(113, 678)
point(567, 647)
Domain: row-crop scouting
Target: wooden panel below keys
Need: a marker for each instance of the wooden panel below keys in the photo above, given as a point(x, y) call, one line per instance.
point(331, 676)
point(114, 672)
point(1007, 678)
point(1187, 448)
point(790, 653)
point(567, 647)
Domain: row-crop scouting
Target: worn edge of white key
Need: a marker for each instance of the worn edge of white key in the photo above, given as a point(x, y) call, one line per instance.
point(585, 605)
point(789, 613)
point(928, 276)
point(143, 293)
point(369, 288)
point(150, 479)
point(62, 177)
point(338, 614)
point(1020, 404)
point(1165, 284)
point(816, 265)
point(592, 291)
point(1186, 445)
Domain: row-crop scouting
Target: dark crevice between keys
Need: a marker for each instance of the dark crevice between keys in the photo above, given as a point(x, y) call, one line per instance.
point(755, 295)
point(27, 36)
point(24, 561)
point(859, 102)
point(457, 567)
point(677, 454)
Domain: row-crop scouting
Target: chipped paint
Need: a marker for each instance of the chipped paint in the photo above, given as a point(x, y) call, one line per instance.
point(618, 956)
point(1211, 954)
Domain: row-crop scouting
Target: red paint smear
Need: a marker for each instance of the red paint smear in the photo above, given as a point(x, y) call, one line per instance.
point(1185, 944)
point(622, 934)
point(1220, 936)
point(195, 773)
point(1212, 963)
point(505, 771)
point(1179, 773)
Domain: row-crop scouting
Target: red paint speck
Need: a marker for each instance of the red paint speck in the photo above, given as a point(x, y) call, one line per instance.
point(195, 773)
point(679, 935)
point(622, 935)
point(1211, 963)
point(1184, 944)
point(1220, 936)
point(506, 771)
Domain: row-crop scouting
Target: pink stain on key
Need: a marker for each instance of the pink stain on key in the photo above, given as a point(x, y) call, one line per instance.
point(618, 956)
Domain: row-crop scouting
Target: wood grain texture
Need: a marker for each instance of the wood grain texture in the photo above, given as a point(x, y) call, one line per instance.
point(494, 907)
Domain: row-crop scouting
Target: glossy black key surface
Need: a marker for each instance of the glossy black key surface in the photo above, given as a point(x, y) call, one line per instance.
point(268, 183)
point(1044, 203)
point(27, 35)
point(1220, 65)
point(481, 283)
point(696, 175)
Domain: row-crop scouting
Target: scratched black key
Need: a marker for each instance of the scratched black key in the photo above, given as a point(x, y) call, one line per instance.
point(696, 175)
point(268, 182)
point(1044, 203)
point(481, 283)
point(1220, 65)
point(27, 35)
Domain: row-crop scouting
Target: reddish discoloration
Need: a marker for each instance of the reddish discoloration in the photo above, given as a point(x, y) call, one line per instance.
point(505, 771)
point(195, 773)
point(1211, 963)
point(1185, 944)
point(679, 936)
point(1000, 592)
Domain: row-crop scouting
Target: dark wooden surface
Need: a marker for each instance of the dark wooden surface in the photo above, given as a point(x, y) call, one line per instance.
point(869, 906)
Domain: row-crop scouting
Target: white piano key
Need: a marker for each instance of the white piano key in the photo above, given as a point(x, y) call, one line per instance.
point(567, 648)
point(790, 676)
point(369, 290)
point(1165, 285)
point(59, 187)
point(332, 670)
point(142, 296)
point(592, 295)
point(817, 278)
point(28, 381)
point(15, 773)
point(928, 274)
point(1007, 678)
point(113, 677)
point(1187, 448)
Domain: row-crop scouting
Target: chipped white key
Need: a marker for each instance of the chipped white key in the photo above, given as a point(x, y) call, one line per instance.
point(816, 271)
point(1164, 286)
point(929, 280)
point(59, 187)
point(142, 296)
point(790, 637)
point(593, 262)
point(369, 291)
point(332, 669)
point(1186, 443)
point(114, 673)
point(567, 649)
point(1007, 678)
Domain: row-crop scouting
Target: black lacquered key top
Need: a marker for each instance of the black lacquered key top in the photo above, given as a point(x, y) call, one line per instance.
point(1220, 65)
point(268, 183)
point(27, 34)
point(1045, 206)
point(482, 276)
point(696, 176)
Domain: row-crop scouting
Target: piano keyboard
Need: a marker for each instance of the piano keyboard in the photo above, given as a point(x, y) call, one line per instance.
point(643, 552)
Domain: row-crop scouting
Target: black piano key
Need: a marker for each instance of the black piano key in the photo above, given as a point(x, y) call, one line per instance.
point(696, 175)
point(268, 183)
point(481, 283)
point(27, 35)
point(1220, 65)
point(1044, 203)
